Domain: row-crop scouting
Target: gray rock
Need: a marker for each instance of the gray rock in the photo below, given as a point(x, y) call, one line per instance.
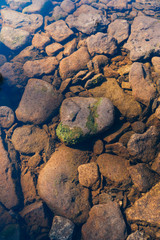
point(6, 117)
point(101, 43)
point(143, 146)
point(29, 139)
point(137, 236)
point(144, 39)
point(58, 184)
point(58, 13)
point(59, 31)
point(116, 4)
point(87, 19)
point(119, 29)
point(14, 38)
point(142, 87)
point(62, 229)
point(82, 117)
point(20, 21)
point(149, 4)
point(38, 6)
point(67, 6)
point(18, 4)
point(39, 102)
point(105, 222)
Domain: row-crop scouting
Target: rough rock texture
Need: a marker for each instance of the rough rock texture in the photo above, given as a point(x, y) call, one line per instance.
point(53, 49)
point(77, 61)
point(156, 64)
point(83, 117)
point(116, 4)
point(8, 194)
point(142, 89)
point(144, 38)
point(30, 139)
point(38, 6)
point(124, 102)
point(40, 41)
point(101, 43)
point(138, 235)
point(119, 29)
point(58, 187)
point(17, 20)
point(142, 146)
point(68, 6)
point(58, 13)
point(147, 208)
point(87, 19)
point(3, 59)
point(95, 81)
point(39, 102)
point(156, 164)
point(59, 31)
point(6, 117)
point(18, 4)
point(14, 38)
point(113, 167)
point(62, 229)
point(105, 222)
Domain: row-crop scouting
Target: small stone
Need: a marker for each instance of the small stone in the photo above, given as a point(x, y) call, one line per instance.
point(7, 117)
point(126, 85)
point(138, 127)
point(89, 175)
point(95, 81)
point(76, 89)
point(62, 229)
point(67, 6)
point(156, 64)
point(118, 149)
point(99, 61)
point(110, 73)
point(70, 47)
point(98, 147)
point(157, 112)
point(65, 84)
point(53, 49)
point(156, 164)
point(119, 29)
point(40, 41)
point(137, 236)
point(34, 161)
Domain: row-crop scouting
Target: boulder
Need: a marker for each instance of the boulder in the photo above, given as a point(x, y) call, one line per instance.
point(58, 184)
point(119, 29)
point(105, 222)
point(39, 102)
point(83, 117)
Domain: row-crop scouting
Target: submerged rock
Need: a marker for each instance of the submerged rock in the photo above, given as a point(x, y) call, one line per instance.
point(18, 4)
point(6, 117)
point(82, 117)
point(119, 29)
point(38, 6)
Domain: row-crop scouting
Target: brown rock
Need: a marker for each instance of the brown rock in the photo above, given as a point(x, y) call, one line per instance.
point(67, 6)
point(70, 47)
point(98, 147)
point(117, 148)
point(138, 127)
point(99, 61)
point(124, 139)
point(110, 73)
point(53, 49)
point(156, 64)
point(6, 117)
point(40, 41)
point(156, 164)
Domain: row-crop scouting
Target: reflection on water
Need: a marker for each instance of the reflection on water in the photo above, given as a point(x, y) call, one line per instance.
point(55, 54)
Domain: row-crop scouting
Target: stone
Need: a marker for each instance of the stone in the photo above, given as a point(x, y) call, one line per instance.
point(3, 59)
point(65, 84)
point(101, 43)
point(146, 208)
point(38, 6)
point(6, 117)
point(142, 177)
point(138, 235)
point(110, 73)
point(53, 49)
point(62, 229)
point(87, 19)
point(39, 67)
point(59, 31)
point(95, 81)
point(18, 4)
point(58, 184)
point(30, 139)
point(156, 164)
point(156, 64)
point(58, 13)
point(138, 127)
point(14, 38)
point(99, 61)
point(36, 219)
point(143, 146)
point(40, 41)
point(98, 147)
point(72, 64)
point(70, 47)
point(113, 167)
point(20, 21)
point(68, 6)
point(119, 5)
point(8, 185)
point(124, 69)
point(83, 117)
point(119, 29)
point(118, 149)
point(141, 42)
point(89, 175)
point(39, 102)
point(108, 223)
point(142, 89)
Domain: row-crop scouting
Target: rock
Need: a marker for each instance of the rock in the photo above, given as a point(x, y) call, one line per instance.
point(108, 223)
point(156, 64)
point(53, 49)
point(40, 41)
point(113, 167)
point(146, 208)
point(101, 43)
point(156, 164)
point(14, 38)
point(39, 102)
point(141, 42)
point(142, 89)
point(36, 220)
point(84, 117)
point(38, 6)
point(87, 19)
point(70, 47)
point(58, 184)
point(138, 127)
point(18, 4)
point(110, 73)
point(142, 177)
point(99, 61)
point(58, 13)
point(118, 149)
point(98, 147)
point(119, 5)
point(124, 70)
point(89, 175)
point(119, 29)
point(6, 117)
point(143, 146)
point(8, 185)
point(20, 21)
point(30, 139)
point(137, 236)
point(11, 232)
point(39, 67)
point(62, 229)
point(125, 103)
point(3, 59)
point(149, 4)
point(95, 81)
point(59, 31)
point(68, 6)
point(72, 64)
